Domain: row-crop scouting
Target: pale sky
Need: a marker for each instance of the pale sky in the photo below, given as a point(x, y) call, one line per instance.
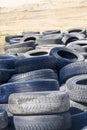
point(14, 3)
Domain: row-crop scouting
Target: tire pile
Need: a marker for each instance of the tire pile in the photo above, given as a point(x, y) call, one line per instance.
point(43, 81)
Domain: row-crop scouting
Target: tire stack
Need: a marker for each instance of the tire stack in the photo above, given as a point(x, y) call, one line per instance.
point(44, 80)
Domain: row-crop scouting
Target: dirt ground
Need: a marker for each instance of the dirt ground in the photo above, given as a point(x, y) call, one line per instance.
point(50, 14)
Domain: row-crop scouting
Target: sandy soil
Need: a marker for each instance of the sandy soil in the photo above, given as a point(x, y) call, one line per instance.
point(49, 14)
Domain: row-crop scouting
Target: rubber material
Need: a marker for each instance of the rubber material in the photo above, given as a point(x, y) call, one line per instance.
point(35, 63)
point(65, 56)
point(38, 74)
point(45, 122)
point(71, 70)
point(48, 102)
point(77, 88)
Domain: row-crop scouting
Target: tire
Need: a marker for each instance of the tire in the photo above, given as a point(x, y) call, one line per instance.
point(35, 63)
point(65, 56)
point(37, 52)
point(29, 38)
point(18, 50)
point(48, 102)
point(50, 39)
point(48, 47)
point(43, 122)
point(21, 45)
point(77, 48)
point(77, 88)
point(8, 38)
point(72, 37)
point(76, 107)
point(76, 30)
point(73, 69)
point(5, 75)
point(27, 86)
point(79, 121)
point(7, 61)
point(3, 119)
point(38, 74)
point(51, 32)
point(28, 33)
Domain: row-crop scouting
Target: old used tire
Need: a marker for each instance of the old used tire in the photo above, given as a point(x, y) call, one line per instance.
point(3, 119)
point(43, 122)
point(76, 107)
point(65, 56)
point(27, 86)
point(76, 30)
point(28, 33)
point(50, 39)
point(5, 74)
point(35, 63)
point(37, 52)
point(30, 37)
point(77, 88)
point(72, 37)
point(79, 121)
point(38, 74)
point(75, 47)
point(9, 38)
point(48, 102)
point(7, 61)
point(51, 32)
point(72, 69)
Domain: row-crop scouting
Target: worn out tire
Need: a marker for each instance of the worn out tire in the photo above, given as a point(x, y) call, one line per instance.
point(43, 122)
point(71, 70)
point(38, 74)
point(77, 88)
point(35, 63)
point(65, 56)
point(48, 102)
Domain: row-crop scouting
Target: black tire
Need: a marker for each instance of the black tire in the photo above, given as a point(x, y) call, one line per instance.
point(51, 32)
point(79, 121)
point(5, 75)
point(37, 52)
point(27, 86)
point(76, 107)
point(77, 88)
point(3, 119)
point(28, 33)
point(75, 47)
point(72, 37)
point(48, 47)
point(50, 39)
point(38, 74)
point(35, 63)
point(8, 38)
point(76, 30)
point(7, 63)
point(18, 50)
point(48, 102)
point(30, 37)
point(71, 70)
point(65, 56)
point(21, 45)
point(45, 122)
